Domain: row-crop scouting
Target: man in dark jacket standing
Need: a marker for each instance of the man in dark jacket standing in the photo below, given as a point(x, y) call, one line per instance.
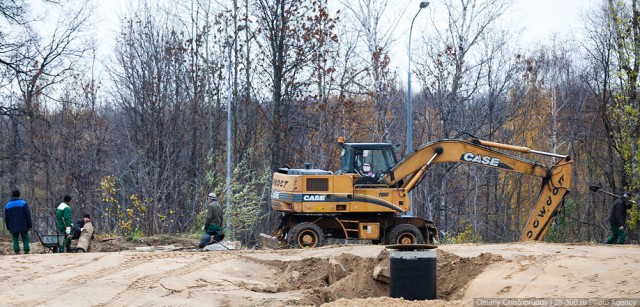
point(17, 216)
point(618, 218)
point(212, 222)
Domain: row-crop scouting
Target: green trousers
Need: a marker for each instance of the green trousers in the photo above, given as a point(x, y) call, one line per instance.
point(66, 242)
point(25, 242)
point(617, 235)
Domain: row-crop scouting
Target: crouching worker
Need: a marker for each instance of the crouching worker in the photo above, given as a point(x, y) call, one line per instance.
point(212, 222)
point(83, 232)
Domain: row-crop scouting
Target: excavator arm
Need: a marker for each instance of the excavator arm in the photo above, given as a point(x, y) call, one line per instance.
point(406, 174)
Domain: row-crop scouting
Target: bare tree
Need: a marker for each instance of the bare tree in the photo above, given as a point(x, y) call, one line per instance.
point(157, 88)
point(462, 72)
point(456, 59)
point(284, 62)
point(378, 86)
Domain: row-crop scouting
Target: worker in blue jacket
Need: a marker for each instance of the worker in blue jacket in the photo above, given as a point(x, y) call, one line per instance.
point(17, 216)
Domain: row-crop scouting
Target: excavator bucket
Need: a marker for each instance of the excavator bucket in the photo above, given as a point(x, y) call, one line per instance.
point(554, 188)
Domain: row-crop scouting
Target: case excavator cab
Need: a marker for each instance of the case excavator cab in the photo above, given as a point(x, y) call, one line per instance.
point(379, 157)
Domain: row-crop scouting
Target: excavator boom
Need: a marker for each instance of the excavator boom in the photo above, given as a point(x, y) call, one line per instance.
point(555, 182)
point(458, 151)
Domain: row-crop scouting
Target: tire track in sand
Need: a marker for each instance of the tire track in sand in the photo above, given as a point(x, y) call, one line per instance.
point(142, 285)
point(105, 270)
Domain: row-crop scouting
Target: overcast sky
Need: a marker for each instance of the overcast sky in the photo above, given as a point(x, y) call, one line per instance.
point(542, 18)
point(539, 19)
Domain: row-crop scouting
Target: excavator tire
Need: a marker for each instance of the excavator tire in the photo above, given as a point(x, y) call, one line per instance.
point(305, 235)
point(404, 234)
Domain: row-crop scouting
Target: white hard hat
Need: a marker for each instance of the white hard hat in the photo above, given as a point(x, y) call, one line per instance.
point(212, 195)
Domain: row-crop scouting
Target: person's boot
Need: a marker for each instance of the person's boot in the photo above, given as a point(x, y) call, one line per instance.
point(16, 252)
point(26, 251)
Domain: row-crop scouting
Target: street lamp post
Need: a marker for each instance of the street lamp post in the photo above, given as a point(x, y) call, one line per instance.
point(423, 4)
point(229, 103)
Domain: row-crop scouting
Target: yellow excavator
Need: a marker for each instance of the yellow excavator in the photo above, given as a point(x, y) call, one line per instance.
point(367, 199)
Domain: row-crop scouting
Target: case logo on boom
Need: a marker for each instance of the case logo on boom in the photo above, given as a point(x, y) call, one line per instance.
point(486, 160)
point(314, 197)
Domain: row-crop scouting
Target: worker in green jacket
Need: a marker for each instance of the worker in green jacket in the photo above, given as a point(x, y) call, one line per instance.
point(63, 222)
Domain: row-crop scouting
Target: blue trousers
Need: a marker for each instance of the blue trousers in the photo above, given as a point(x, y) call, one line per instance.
point(204, 241)
point(217, 235)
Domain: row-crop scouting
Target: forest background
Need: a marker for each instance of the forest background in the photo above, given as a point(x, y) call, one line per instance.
point(140, 144)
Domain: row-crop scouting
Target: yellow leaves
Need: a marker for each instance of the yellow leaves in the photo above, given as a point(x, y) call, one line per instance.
point(634, 217)
point(138, 203)
point(466, 234)
point(107, 189)
point(129, 216)
point(626, 116)
point(125, 226)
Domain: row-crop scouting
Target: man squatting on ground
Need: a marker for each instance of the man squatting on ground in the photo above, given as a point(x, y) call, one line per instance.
point(83, 232)
point(212, 222)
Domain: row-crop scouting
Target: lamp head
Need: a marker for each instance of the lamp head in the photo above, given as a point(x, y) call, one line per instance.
point(424, 4)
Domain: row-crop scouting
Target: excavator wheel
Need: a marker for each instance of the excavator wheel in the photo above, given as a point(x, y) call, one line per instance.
point(305, 234)
point(404, 234)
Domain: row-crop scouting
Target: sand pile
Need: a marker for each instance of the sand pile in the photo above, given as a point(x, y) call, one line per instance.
point(351, 277)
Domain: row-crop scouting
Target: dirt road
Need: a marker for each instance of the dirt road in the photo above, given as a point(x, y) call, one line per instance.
point(339, 276)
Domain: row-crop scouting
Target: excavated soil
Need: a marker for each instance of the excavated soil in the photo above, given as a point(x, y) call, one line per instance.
point(455, 272)
point(351, 277)
point(346, 276)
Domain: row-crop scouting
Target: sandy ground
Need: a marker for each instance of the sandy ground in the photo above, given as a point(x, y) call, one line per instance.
point(333, 276)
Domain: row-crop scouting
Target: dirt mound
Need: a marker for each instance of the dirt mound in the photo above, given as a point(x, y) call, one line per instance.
point(118, 244)
point(351, 277)
point(455, 272)
point(387, 301)
point(304, 274)
point(336, 275)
